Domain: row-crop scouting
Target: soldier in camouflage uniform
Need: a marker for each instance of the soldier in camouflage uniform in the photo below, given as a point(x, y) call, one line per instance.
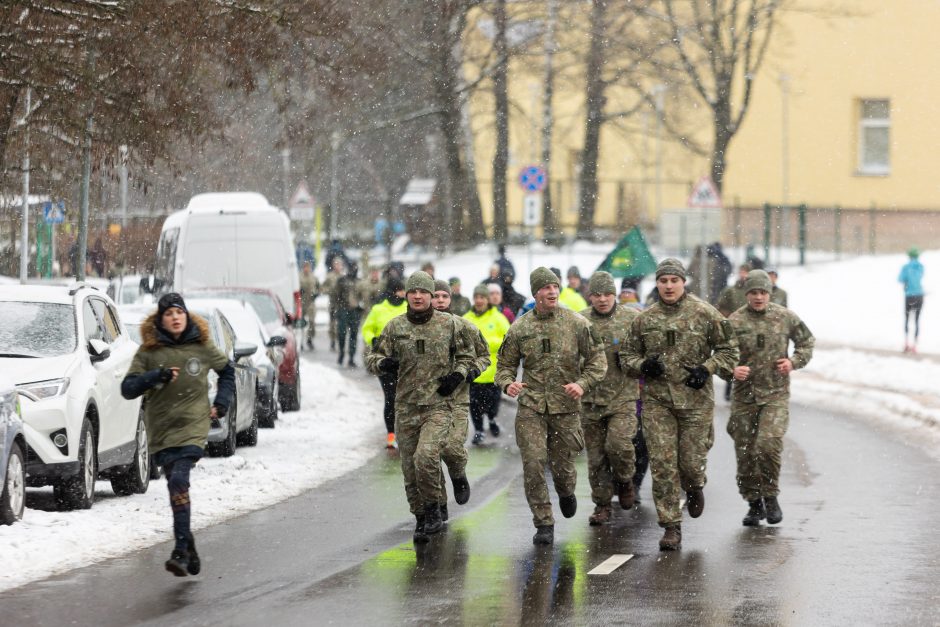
point(732, 297)
point(455, 453)
point(333, 276)
point(563, 358)
point(760, 407)
point(677, 345)
point(425, 348)
point(778, 295)
point(608, 412)
point(309, 290)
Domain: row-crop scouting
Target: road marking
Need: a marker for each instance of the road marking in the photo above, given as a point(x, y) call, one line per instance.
point(610, 564)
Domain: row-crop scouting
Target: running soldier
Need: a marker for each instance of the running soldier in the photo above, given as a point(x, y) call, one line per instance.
point(562, 358)
point(760, 408)
point(425, 350)
point(608, 412)
point(309, 290)
point(677, 345)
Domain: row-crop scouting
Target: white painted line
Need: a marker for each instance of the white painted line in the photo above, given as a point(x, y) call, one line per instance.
point(610, 564)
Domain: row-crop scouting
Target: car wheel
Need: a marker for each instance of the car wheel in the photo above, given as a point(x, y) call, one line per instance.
point(292, 394)
point(269, 413)
point(249, 437)
point(226, 448)
point(78, 491)
point(13, 497)
point(135, 479)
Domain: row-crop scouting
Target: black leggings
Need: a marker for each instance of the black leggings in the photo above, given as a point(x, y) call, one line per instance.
point(389, 385)
point(913, 304)
point(642, 454)
point(484, 399)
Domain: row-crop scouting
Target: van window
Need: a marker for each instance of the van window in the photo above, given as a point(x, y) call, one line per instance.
point(166, 256)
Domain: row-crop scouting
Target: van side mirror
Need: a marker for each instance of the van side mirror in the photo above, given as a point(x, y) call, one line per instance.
point(98, 351)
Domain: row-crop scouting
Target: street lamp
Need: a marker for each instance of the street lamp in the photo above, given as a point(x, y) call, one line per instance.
point(336, 142)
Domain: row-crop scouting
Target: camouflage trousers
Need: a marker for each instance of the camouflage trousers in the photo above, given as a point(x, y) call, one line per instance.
point(757, 431)
point(310, 313)
point(454, 453)
point(421, 432)
point(608, 438)
point(554, 439)
point(678, 441)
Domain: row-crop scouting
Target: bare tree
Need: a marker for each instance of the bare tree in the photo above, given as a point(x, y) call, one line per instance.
point(501, 98)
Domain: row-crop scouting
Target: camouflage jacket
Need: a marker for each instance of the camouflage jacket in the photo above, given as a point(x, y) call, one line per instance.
point(731, 299)
point(617, 389)
point(460, 304)
point(557, 348)
point(764, 337)
point(779, 296)
point(425, 352)
point(309, 289)
point(688, 333)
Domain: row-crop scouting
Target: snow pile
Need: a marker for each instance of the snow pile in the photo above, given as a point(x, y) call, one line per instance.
point(338, 428)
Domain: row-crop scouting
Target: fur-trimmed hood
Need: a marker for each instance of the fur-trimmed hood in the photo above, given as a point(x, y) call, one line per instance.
point(153, 336)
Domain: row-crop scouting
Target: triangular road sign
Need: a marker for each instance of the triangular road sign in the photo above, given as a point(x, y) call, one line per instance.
point(301, 199)
point(705, 195)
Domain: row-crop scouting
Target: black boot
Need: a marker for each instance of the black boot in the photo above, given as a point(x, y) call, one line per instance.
point(544, 534)
point(177, 563)
point(420, 536)
point(755, 513)
point(695, 502)
point(444, 514)
point(461, 490)
point(432, 519)
point(494, 428)
point(195, 564)
point(569, 505)
point(340, 360)
point(672, 538)
point(774, 513)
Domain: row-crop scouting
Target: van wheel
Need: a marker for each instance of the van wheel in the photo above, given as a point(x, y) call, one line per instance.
point(78, 491)
point(13, 497)
point(135, 478)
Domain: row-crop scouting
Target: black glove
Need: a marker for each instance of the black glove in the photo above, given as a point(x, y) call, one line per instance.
point(652, 367)
point(166, 375)
point(449, 383)
point(389, 365)
point(473, 374)
point(220, 411)
point(617, 361)
point(698, 377)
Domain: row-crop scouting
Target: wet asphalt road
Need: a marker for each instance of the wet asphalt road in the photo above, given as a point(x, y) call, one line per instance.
point(857, 543)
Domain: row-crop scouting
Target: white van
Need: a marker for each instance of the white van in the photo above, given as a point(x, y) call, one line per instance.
point(231, 239)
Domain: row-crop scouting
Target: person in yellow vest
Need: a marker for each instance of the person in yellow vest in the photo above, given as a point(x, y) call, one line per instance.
point(571, 296)
point(485, 395)
point(379, 316)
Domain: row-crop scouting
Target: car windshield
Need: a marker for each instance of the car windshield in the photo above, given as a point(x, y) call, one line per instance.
point(36, 329)
point(263, 303)
point(133, 330)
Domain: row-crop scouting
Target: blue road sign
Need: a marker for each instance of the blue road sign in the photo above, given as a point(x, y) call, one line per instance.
point(53, 213)
point(533, 178)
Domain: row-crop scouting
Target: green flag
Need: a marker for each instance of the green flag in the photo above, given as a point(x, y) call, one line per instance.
point(630, 258)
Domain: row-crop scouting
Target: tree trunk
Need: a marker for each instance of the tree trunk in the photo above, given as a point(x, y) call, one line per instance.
point(587, 201)
point(723, 135)
point(9, 98)
point(548, 214)
point(501, 96)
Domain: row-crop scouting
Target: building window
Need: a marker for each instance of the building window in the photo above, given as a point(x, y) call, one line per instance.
point(874, 137)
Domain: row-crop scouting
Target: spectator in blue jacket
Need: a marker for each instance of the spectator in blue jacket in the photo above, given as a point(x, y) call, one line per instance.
point(911, 276)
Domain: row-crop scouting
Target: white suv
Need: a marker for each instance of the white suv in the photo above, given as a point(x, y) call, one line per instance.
point(67, 352)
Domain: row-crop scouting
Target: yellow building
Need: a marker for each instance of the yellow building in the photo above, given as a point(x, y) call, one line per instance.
point(842, 114)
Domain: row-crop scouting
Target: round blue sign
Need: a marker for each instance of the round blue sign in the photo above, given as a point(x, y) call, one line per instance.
point(533, 178)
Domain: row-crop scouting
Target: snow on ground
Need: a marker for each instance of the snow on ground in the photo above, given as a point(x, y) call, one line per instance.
point(336, 430)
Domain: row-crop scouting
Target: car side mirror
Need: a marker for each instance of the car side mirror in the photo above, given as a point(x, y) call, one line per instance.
point(98, 351)
point(277, 340)
point(244, 349)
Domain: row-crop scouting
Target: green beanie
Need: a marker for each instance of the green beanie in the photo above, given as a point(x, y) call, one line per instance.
point(441, 286)
point(913, 253)
point(481, 290)
point(602, 283)
point(420, 280)
point(541, 277)
point(670, 265)
point(758, 280)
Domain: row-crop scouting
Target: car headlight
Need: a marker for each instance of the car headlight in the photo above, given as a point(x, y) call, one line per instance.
point(46, 389)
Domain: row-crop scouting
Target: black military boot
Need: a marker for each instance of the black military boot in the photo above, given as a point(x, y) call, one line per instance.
point(444, 513)
point(569, 505)
point(626, 492)
point(420, 536)
point(461, 489)
point(432, 519)
point(755, 513)
point(177, 563)
point(544, 534)
point(672, 538)
point(774, 513)
point(195, 564)
point(695, 502)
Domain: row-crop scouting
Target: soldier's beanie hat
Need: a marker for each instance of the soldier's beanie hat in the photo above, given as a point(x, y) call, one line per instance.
point(757, 280)
point(541, 277)
point(574, 272)
point(454, 280)
point(746, 266)
point(420, 280)
point(481, 290)
point(772, 271)
point(441, 286)
point(671, 265)
point(602, 283)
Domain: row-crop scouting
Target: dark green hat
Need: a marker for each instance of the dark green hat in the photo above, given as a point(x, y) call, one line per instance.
point(541, 277)
point(481, 290)
point(420, 280)
point(602, 283)
point(671, 265)
point(441, 286)
point(758, 280)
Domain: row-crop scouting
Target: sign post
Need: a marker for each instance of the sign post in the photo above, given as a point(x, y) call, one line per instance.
point(704, 196)
point(302, 208)
point(533, 180)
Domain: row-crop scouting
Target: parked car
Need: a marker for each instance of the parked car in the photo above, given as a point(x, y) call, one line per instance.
point(277, 321)
point(249, 328)
point(67, 351)
point(230, 238)
point(12, 455)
